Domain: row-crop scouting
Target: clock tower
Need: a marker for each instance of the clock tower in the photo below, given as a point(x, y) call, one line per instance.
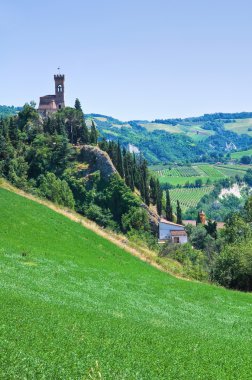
point(59, 80)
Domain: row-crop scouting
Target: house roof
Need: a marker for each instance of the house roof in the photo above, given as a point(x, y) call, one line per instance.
point(220, 225)
point(178, 233)
point(162, 220)
point(191, 222)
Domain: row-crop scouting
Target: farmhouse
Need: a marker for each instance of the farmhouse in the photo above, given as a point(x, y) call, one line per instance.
point(171, 231)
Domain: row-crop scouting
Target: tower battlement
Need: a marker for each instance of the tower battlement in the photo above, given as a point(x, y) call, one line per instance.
point(59, 76)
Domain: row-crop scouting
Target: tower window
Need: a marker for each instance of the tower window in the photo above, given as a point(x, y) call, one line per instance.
point(60, 88)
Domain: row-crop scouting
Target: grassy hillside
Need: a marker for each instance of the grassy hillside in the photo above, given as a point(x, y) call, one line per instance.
point(240, 126)
point(70, 298)
point(238, 155)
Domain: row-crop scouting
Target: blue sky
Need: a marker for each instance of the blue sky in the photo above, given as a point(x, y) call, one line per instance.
point(130, 59)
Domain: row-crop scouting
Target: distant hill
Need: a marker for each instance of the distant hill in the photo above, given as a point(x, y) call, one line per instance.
point(9, 110)
point(206, 138)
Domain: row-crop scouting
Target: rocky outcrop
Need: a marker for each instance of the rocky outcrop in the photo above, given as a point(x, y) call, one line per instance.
point(98, 160)
point(153, 218)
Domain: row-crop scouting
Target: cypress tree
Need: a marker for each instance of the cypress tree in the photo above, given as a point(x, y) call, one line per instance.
point(145, 184)
point(198, 220)
point(120, 167)
point(159, 198)
point(84, 133)
point(103, 144)
point(77, 105)
point(128, 169)
point(153, 191)
point(135, 172)
point(168, 207)
point(93, 134)
point(179, 213)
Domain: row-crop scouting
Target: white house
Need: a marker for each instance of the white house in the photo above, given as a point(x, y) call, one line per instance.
point(171, 231)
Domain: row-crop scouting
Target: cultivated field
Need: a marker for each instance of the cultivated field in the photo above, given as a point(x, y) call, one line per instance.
point(188, 197)
point(238, 155)
point(240, 126)
point(72, 301)
point(180, 175)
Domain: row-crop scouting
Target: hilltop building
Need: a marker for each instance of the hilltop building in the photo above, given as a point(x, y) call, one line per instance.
point(51, 103)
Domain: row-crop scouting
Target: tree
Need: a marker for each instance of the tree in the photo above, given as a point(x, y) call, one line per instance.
point(118, 198)
point(233, 267)
point(198, 182)
point(247, 211)
point(56, 190)
point(246, 160)
point(198, 220)
point(144, 179)
point(168, 207)
point(84, 133)
point(128, 169)
point(159, 198)
point(197, 237)
point(93, 134)
point(211, 228)
point(120, 167)
point(153, 191)
point(248, 177)
point(77, 105)
point(179, 213)
point(236, 229)
point(137, 218)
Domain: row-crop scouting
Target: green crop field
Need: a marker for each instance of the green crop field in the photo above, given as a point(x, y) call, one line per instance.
point(180, 175)
point(71, 299)
point(240, 126)
point(238, 155)
point(188, 197)
point(192, 130)
point(233, 170)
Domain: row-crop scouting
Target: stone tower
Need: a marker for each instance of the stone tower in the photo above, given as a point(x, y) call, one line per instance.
point(59, 90)
point(51, 103)
point(202, 216)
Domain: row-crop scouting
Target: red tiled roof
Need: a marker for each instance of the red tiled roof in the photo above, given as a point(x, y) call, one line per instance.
point(191, 222)
point(162, 220)
point(178, 233)
point(220, 225)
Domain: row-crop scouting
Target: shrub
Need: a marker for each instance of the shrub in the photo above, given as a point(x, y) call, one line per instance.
point(56, 190)
point(192, 259)
point(137, 218)
point(233, 267)
point(102, 217)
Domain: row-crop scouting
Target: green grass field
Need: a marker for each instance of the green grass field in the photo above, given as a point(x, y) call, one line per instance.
point(192, 130)
point(70, 298)
point(240, 126)
point(238, 155)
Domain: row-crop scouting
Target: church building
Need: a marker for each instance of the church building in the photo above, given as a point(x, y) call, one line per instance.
point(52, 103)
